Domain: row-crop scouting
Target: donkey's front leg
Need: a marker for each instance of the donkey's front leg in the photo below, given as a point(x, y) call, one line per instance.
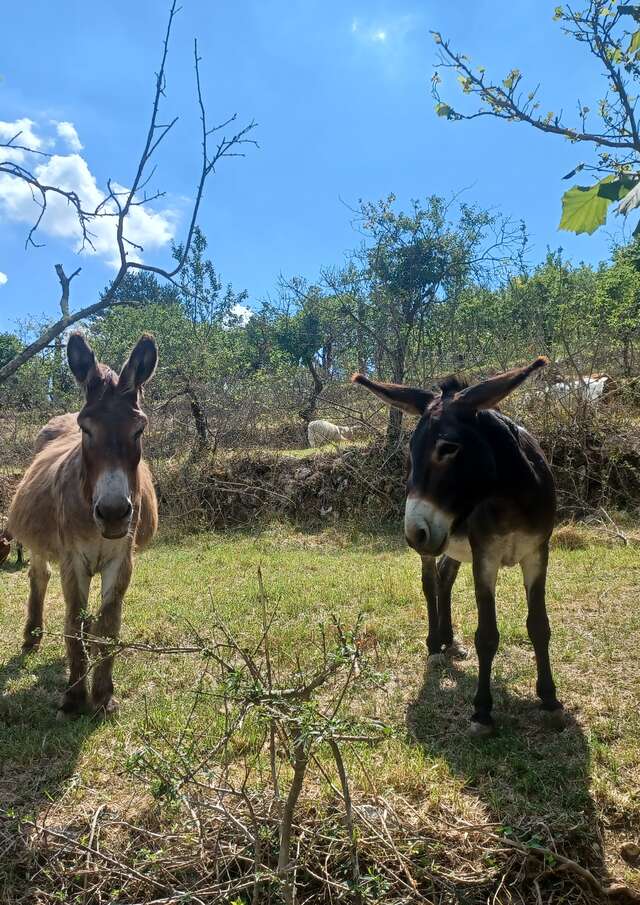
point(534, 573)
point(447, 570)
point(430, 590)
point(75, 587)
point(485, 573)
point(116, 576)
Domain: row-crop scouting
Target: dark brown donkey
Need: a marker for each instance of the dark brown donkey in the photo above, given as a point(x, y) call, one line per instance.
point(479, 490)
point(87, 500)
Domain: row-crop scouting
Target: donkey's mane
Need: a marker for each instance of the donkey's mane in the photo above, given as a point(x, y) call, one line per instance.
point(101, 380)
point(452, 384)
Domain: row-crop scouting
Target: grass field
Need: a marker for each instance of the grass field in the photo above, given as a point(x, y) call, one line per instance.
point(579, 788)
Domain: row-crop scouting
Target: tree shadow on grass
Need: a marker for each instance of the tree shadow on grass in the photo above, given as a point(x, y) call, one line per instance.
point(532, 778)
point(38, 758)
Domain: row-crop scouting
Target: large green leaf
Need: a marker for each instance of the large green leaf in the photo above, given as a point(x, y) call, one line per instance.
point(584, 208)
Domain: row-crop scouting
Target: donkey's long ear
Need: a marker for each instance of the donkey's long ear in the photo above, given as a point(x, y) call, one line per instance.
point(140, 366)
point(410, 399)
point(81, 358)
point(489, 393)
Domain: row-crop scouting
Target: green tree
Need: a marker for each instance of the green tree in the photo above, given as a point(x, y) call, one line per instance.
point(410, 265)
point(195, 325)
point(618, 303)
point(31, 386)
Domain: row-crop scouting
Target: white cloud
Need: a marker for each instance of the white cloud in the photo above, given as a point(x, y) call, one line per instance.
point(243, 313)
point(379, 36)
point(152, 229)
point(239, 315)
point(3, 278)
point(67, 132)
point(21, 130)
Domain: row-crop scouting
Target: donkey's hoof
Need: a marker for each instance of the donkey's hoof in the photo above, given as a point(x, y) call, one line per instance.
point(73, 705)
point(480, 730)
point(435, 661)
point(456, 650)
point(107, 708)
point(68, 711)
point(30, 646)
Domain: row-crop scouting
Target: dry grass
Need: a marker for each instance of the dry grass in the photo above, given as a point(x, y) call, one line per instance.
point(571, 537)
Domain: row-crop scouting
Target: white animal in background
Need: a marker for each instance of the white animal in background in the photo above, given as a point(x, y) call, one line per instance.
point(591, 388)
point(322, 432)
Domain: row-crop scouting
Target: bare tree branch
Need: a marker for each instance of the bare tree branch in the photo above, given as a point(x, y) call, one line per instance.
point(118, 203)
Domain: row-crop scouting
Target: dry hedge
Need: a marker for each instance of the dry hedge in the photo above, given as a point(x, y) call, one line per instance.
point(594, 453)
point(595, 469)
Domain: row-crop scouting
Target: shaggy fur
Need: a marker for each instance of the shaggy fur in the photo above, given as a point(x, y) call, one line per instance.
point(87, 501)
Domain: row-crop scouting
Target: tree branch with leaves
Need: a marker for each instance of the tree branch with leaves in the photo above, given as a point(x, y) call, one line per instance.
point(610, 32)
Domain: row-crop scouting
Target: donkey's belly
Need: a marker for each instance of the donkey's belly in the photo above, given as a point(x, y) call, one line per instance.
point(508, 549)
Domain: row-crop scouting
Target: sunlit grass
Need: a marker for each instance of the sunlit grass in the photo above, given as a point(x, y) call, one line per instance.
point(527, 770)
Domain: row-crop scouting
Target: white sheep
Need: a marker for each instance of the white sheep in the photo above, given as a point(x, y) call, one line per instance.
point(323, 432)
point(591, 388)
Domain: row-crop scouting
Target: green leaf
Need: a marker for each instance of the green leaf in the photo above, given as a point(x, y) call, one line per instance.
point(634, 43)
point(445, 110)
point(584, 208)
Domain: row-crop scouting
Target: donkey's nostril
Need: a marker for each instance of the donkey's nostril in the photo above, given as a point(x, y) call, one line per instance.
point(420, 537)
point(417, 536)
point(113, 511)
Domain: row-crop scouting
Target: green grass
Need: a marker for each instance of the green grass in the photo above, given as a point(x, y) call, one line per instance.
point(581, 783)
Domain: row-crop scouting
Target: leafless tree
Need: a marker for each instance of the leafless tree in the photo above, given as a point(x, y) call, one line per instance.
point(117, 204)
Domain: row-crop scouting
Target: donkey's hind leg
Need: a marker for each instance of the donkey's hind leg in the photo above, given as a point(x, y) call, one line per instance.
point(39, 574)
point(534, 572)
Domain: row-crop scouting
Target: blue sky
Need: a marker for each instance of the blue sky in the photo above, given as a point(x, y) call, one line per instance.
point(341, 95)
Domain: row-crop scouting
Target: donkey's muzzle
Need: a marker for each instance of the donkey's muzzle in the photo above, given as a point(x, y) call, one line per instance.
point(426, 528)
point(113, 516)
point(421, 540)
point(112, 507)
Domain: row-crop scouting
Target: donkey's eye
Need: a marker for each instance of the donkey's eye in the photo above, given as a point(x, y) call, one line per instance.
point(446, 449)
point(138, 433)
point(86, 432)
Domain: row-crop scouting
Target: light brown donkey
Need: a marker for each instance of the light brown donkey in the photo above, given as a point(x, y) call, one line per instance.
point(87, 500)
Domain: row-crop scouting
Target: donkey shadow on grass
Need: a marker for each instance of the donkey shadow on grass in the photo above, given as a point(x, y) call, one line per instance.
point(530, 776)
point(38, 758)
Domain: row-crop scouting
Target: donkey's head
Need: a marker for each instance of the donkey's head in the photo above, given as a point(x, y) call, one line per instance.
point(451, 464)
point(112, 424)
